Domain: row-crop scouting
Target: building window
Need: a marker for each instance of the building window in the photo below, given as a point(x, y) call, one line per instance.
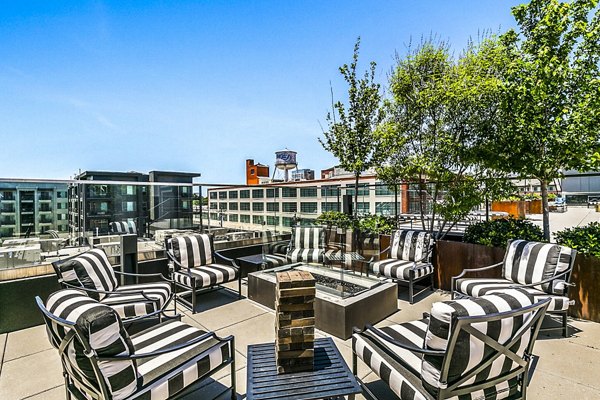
point(308, 207)
point(233, 206)
point(129, 206)
point(363, 189)
point(245, 218)
point(128, 190)
point(212, 195)
point(287, 221)
point(252, 171)
point(385, 208)
point(288, 192)
point(222, 195)
point(245, 194)
point(185, 204)
point(222, 206)
point(214, 216)
point(213, 206)
point(330, 191)
point(258, 219)
point(273, 221)
point(381, 189)
point(258, 206)
point(272, 206)
point(233, 218)
point(257, 193)
point(271, 193)
point(290, 207)
point(308, 191)
point(233, 194)
point(330, 206)
point(245, 206)
point(362, 208)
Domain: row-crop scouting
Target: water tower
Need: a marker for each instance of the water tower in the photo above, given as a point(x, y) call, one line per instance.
point(284, 161)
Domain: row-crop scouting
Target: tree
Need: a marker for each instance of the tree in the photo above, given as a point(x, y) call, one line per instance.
point(438, 109)
point(350, 137)
point(550, 114)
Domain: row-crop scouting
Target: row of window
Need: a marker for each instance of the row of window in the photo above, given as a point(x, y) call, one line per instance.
point(309, 191)
point(385, 208)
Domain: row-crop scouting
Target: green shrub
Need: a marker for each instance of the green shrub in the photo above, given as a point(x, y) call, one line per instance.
point(334, 218)
point(377, 224)
point(497, 232)
point(585, 239)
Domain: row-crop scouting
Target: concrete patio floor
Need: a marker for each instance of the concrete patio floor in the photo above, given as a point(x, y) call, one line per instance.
point(568, 368)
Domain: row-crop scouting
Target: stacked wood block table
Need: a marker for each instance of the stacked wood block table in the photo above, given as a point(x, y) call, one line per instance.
point(295, 321)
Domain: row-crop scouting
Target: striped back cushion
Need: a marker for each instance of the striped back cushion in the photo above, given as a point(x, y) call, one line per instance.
point(409, 245)
point(192, 250)
point(90, 270)
point(102, 329)
point(307, 238)
point(53, 234)
point(123, 227)
point(528, 262)
point(469, 351)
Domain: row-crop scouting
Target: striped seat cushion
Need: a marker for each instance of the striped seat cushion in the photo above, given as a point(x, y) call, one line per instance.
point(400, 371)
point(192, 250)
point(165, 375)
point(469, 352)
point(529, 262)
point(401, 269)
point(477, 287)
point(101, 327)
point(409, 245)
point(90, 270)
point(207, 275)
point(305, 255)
point(133, 305)
point(277, 248)
point(272, 260)
point(122, 227)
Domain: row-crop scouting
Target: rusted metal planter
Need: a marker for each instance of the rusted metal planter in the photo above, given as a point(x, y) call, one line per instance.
point(586, 293)
point(515, 209)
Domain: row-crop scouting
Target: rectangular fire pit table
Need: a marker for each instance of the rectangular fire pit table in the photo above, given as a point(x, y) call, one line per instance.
point(331, 376)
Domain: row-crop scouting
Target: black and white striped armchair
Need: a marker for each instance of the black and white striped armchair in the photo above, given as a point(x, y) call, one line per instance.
point(479, 348)
point(409, 260)
point(102, 361)
point(307, 245)
point(196, 266)
point(541, 269)
point(91, 271)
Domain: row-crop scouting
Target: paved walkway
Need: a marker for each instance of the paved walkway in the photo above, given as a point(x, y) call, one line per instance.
point(574, 216)
point(567, 369)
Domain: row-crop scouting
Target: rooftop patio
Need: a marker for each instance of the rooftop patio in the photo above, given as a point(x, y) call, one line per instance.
point(30, 367)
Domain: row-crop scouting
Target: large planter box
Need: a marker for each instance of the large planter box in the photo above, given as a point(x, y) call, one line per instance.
point(586, 292)
point(516, 209)
point(535, 207)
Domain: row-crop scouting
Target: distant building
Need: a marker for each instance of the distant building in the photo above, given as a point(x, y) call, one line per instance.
point(32, 208)
point(578, 186)
point(254, 172)
point(303, 175)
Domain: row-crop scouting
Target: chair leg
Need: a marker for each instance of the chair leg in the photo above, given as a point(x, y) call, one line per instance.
point(411, 289)
point(565, 326)
point(68, 392)
point(193, 295)
point(240, 286)
point(233, 380)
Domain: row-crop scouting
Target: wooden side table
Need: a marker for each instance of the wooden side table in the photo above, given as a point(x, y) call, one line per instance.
point(330, 377)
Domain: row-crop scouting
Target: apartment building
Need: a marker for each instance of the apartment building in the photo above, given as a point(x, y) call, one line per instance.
point(32, 208)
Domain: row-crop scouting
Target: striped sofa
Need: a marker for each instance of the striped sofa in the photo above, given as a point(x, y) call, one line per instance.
point(92, 272)
point(477, 348)
point(541, 269)
point(122, 227)
point(409, 260)
point(194, 266)
point(102, 361)
point(307, 245)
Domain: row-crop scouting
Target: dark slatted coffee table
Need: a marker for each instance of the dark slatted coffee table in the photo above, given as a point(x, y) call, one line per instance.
point(331, 376)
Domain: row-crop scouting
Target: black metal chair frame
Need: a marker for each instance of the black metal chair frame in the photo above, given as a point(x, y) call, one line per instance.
point(464, 324)
point(567, 283)
point(104, 393)
point(412, 280)
point(192, 290)
point(160, 313)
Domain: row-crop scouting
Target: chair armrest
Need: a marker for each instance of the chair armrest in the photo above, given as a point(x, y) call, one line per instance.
point(206, 336)
point(227, 259)
point(158, 275)
point(140, 292)
point(465, 271)
point(386, 338)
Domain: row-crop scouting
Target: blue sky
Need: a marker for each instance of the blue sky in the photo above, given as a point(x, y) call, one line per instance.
point(195, 86)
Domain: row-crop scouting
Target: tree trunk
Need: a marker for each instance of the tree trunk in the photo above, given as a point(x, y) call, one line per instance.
point(355, 213)
point(545, 209)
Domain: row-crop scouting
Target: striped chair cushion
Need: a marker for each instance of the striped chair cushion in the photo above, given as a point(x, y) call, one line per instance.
point(273, 261)
point(207, 275)
point(401, 269)
point(192, 250)
point(529, 262)
point(409, 245)
point(469, 351)
point(134, 305)
point(101, 327)
point(90, 270)
point(477, 287)
point(305, 255)
point(122, 227)
point(277, 248)
point(402, 371)
point(165, 375)
point(307, 238)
